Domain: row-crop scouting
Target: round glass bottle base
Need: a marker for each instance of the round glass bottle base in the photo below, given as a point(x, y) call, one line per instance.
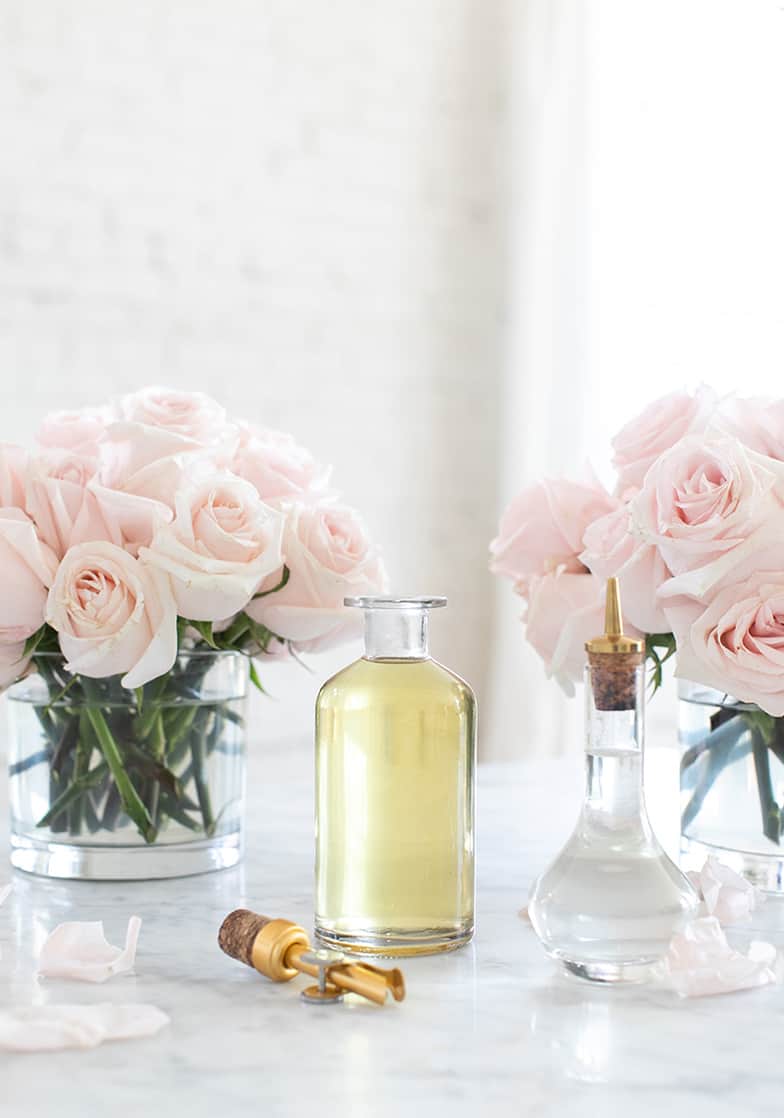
point(124, 863)
point(609, 974)
point(395, 944)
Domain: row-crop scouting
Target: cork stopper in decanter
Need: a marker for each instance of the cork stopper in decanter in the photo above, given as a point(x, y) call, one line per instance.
point(614, 658)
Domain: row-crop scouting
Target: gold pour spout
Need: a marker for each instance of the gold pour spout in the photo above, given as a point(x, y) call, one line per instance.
point(613, 641)
point(281, 949)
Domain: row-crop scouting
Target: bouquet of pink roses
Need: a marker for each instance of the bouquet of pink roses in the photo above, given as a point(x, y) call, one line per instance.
point(694, 531)
point(136, 532)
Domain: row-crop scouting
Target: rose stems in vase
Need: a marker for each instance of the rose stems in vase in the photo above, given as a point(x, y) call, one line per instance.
point(75, 789)
point(135, 809)
point(722, 746)
point(771, 815)
point(137, 743)
point(81, 766)
point(111, 809)
point(198, 759)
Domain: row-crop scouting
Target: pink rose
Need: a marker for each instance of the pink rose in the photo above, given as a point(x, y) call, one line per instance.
point(113, 614)
point(79, 430)
point(192, 417)
point(658, 427)
point(222, 543)
point(28, 568)
point(280, 469)
point(130, 518)
point(13, 663)
point(735, 641)
point(143, 465)
point(141, 469)
point(709, 500)
point(143, 460)
point(564, 611)
point(612, 548)
point(327, 551)
point(65, 511)
point(13, 466)
point(542, 530)
point(759, 424)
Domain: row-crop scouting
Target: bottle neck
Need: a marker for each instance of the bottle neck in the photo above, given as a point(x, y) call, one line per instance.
point(613, 786)
point(614, 750)
point(396, 634)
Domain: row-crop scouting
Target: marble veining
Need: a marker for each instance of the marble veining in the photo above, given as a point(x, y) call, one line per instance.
point(490, 1029)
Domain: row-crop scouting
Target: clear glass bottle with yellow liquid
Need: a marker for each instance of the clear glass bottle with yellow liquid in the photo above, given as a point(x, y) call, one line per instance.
point(395, 758)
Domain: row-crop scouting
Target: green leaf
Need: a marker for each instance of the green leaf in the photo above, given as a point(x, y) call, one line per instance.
point(139, 692)
point(764, 724)
point(182, 721)
point(74, 790)
point(132, 803)
point(653, 643)
point(204, 629)
point(254, 678)
point(175, 809)
point(283, 580)
point(261, 636)
point(42, 640)
point(154, 769)
point(64, 691)
point(238, 628)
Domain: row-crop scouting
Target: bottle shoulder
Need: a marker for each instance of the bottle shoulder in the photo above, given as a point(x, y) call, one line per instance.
point(416, 678)
point(461, 684)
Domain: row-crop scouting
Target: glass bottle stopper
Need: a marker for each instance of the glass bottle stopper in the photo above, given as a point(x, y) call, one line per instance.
point(280, 949)
point(614, 658)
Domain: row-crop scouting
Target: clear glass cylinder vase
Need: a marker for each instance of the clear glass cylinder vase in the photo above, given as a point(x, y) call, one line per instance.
point(732, 784)
point(112, 784)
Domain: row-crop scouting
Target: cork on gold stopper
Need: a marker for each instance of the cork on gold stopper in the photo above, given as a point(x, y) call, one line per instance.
point(238, 934)
point(614, 658)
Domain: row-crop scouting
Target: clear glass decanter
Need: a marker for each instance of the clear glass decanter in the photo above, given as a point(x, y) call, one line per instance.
point(611, 901)
point(395, 745)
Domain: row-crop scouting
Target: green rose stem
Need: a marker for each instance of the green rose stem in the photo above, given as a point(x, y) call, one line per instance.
point(67, 741)
point(154, 744)
point(198, 756)
point(84, 751)
point(722, 746)
point(76, 789)
point(771, 815)
point(30, 762)
point(111, 809)
point(134, 808)
point(158, 746)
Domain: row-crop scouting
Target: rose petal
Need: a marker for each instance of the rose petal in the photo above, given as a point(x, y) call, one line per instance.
point(46, 1028)
point(700, 962)
point(725, 894)
point(78, 949)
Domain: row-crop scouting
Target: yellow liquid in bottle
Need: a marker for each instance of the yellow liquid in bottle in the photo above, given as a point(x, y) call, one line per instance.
point(395, 744)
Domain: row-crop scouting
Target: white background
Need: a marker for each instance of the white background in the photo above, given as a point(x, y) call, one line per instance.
point(449, 244)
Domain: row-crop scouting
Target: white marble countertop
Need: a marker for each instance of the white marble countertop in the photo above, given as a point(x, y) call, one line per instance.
point(491, 1029)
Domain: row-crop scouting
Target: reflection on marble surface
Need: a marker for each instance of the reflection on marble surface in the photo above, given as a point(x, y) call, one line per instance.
point(491, 1029)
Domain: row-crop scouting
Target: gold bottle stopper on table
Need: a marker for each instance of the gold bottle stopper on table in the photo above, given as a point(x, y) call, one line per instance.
point(280, 950)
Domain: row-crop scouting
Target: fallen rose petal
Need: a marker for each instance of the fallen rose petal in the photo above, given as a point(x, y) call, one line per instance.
point(45, 1028)
point(725, 894)
point(700, 962)
point(78, 949)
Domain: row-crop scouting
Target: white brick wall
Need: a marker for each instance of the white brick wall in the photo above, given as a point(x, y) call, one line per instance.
point(296, 206)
